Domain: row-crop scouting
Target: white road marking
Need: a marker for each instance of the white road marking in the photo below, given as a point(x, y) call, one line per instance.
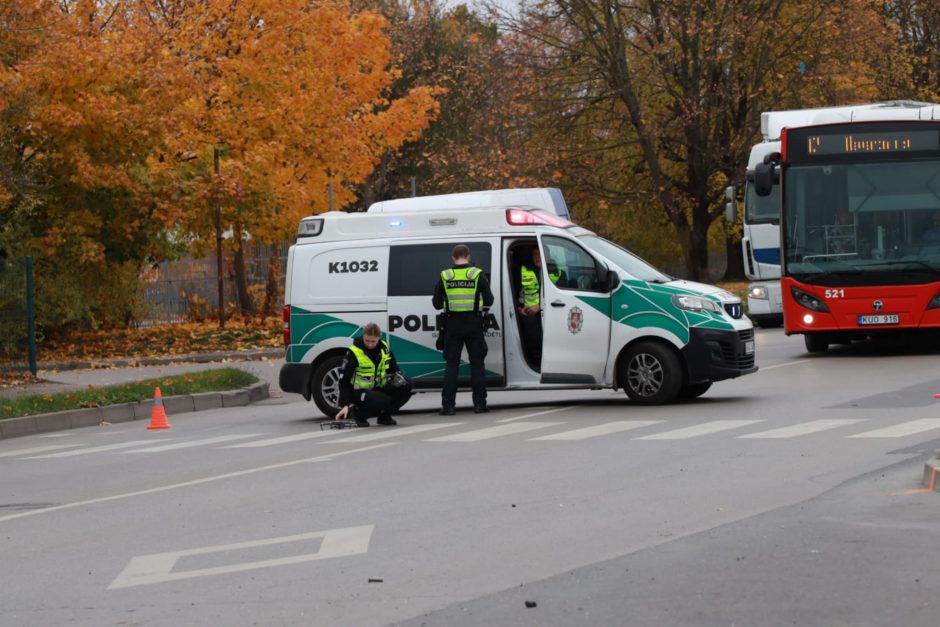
point(804, 428)
point(494, 432)
point(598, 430)
point(538, 413)
point(310, 435)
point(192, 443)
point(56, 435)
point(789, 363)
point(186, 484)
point(901, 430)
point(703, 429)
point(156, 568)
point(36, 449)
point(386, 433)
point(97, 449)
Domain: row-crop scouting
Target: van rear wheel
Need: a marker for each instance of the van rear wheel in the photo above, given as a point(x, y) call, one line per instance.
point(651, 374)
point(324, 385)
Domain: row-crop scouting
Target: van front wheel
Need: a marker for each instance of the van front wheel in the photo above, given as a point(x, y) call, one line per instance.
point(651, 374)
point(324, 385)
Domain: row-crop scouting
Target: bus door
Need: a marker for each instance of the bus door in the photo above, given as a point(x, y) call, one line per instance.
point(575, 313)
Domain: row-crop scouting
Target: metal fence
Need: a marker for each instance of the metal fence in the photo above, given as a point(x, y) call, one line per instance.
point(17, 315)
point(187, 289)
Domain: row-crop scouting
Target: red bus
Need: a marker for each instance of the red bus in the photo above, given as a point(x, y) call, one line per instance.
point(860, 227)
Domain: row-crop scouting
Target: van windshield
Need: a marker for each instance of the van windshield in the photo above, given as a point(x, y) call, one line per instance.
point(627, 261)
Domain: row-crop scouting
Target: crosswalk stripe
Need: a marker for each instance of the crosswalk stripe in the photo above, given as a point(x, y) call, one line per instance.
point(598, 430)
point(36, 449)
point(310, 435)
point(384, 433)
point(494, 432)
point(192, 443)
point(96, 449)
point(901, 430)
point(538, 413)
point(703, 429)
point(804, 428)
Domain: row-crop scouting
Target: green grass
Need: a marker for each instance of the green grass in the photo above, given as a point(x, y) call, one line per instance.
point(217, 380)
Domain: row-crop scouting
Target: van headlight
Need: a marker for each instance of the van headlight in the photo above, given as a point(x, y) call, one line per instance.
point(695, 303)
point(758, 292)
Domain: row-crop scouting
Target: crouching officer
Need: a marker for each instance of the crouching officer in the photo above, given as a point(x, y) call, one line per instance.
point(463, 292)
point(371, 383)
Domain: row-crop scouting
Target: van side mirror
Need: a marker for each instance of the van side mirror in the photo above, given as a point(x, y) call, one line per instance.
point(731, 208)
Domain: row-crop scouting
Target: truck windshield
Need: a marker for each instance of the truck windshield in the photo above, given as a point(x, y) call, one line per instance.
point(627, 261)
point(761, 209)
point(863, 223)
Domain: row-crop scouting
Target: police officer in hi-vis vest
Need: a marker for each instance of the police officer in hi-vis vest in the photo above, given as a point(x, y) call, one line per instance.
point(370, 383)
point(462, 293)
point(529, 304)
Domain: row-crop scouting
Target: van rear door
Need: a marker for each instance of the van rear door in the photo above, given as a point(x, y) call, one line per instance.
point(575, 313)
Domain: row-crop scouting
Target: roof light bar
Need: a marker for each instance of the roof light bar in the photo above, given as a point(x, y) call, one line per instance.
point(310, 228)
point(520, 217)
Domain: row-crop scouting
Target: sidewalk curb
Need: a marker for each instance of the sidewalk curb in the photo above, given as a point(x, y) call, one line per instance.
point(125, 412)
point(931, 472)
point(133, 362)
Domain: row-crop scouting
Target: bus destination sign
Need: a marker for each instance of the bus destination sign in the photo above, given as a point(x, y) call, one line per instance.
point(872, 143)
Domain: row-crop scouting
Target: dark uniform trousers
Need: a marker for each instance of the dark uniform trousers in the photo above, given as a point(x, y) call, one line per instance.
point(380, 401)
point(464, 329)
point(532, 337)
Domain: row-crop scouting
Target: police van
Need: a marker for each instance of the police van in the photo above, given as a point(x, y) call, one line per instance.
point(611, 321)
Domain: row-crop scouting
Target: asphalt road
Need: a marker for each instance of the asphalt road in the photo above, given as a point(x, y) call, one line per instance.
point(787, 497)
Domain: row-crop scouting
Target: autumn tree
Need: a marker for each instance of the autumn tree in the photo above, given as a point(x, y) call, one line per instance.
point(113, 112)
point(482, 138)
point(660, 99)
point(291, 96)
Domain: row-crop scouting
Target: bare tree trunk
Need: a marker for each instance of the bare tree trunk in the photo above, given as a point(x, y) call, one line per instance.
point(735, 269)
point(245, 303)
point(272, 287)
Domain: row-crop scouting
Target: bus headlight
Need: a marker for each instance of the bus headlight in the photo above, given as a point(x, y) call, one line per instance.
point(934, 302)
point(758, 292)
point(808, 300)
point(695, 303)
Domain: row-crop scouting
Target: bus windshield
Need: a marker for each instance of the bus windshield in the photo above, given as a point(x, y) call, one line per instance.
point(627, 261)
point(863, 223)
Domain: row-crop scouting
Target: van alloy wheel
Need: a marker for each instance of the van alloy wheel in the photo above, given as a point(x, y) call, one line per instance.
point(651, 373)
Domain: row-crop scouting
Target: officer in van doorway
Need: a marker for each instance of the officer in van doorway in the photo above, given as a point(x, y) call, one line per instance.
point(370, 382)
point(463, 292)
point(529, 303)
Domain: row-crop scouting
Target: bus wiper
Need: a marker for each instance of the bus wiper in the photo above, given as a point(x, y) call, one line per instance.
point(914, 262)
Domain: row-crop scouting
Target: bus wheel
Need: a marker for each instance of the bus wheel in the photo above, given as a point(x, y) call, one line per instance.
point(816, 343)
point(324, 385)
point(694, 390)
point(652, 374)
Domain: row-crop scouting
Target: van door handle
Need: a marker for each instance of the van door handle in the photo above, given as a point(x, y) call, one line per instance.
point(557, 303)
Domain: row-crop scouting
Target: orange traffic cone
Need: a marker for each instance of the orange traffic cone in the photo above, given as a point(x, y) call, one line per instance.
point(158, 414)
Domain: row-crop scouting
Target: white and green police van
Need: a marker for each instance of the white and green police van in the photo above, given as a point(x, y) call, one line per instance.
point(611, 321)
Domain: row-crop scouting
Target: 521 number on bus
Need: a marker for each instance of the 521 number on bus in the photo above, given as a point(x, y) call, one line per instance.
point(840, 293)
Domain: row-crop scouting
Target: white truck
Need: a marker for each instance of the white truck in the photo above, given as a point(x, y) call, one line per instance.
point(614, 322)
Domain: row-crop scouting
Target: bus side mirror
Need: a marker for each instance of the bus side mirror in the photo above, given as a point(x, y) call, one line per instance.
point(764, 179)
point(731, 209)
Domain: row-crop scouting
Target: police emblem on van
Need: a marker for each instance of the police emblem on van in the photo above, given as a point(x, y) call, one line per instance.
point(575, 319)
